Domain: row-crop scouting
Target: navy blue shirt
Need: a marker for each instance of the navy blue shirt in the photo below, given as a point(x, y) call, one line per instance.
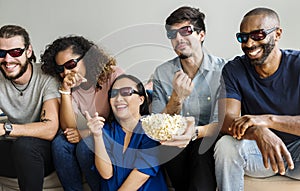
point(278, 94)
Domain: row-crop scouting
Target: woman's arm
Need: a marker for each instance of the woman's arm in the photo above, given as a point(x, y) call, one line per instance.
point(102, 160)
point(134, 181)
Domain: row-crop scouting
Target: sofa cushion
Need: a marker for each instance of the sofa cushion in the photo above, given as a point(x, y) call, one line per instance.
point(51, 183)
point(274, 183)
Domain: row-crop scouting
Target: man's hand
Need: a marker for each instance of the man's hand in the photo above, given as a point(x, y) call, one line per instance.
point(241, 124)
point(272, 148)
point(182, 85)
point(183, 140)
point(2, 131)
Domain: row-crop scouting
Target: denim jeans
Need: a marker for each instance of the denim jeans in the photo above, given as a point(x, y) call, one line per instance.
point(65, 157)
point(235, 158)
point(86, 159)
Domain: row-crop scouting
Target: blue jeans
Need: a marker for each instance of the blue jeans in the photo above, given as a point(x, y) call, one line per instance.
point(236, 158)
point(65, 158)
point(86, 159)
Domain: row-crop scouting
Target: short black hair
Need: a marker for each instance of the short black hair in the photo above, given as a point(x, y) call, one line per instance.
point(186, 13)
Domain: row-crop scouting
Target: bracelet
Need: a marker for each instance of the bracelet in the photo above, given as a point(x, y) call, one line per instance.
point(64, 92)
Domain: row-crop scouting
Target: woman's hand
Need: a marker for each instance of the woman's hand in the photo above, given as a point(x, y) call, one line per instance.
point(95, 124)
point(72, 135)
point(183, 140)
point(72, 80)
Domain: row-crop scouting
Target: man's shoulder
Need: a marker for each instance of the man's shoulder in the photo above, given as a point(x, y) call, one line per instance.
point(214, 62)
point(290, 52)
point(168, 65)
point(38, 70)
point(236, 61)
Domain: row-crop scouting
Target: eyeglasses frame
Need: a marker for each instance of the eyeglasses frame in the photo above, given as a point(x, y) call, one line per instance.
point(132, 91)
point(265, 31)
point(193, 29)
point(8, 52)
point(60, 68)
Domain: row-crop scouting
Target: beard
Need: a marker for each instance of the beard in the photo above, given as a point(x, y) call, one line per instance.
point(182, 55)
point(22, 71)
point(267, 49)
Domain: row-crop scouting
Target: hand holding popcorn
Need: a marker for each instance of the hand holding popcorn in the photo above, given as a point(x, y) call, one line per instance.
point(163, 127)
point(184, 139)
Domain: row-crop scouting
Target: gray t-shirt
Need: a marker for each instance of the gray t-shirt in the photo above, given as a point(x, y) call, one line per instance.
point(27, 108)
point(201, 104)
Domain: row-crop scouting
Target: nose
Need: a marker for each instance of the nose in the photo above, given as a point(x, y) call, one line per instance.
point(8, 58)
point(178, 36)
point(66, 71)
point(249, 42)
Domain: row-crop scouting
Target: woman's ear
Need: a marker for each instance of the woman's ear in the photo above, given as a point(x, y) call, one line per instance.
point(142, 99)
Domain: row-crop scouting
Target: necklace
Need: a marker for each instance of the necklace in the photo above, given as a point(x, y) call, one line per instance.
point(21, 91)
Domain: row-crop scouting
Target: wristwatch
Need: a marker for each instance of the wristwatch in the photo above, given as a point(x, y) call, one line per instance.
point(196, 134)
point(8, 128)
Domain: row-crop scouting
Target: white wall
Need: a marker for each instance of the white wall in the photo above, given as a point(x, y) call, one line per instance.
point(133, 30)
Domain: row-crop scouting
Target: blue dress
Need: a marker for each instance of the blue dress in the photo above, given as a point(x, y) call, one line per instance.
point(141, 154)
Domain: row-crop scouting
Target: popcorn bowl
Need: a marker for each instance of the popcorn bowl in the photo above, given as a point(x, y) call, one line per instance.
point(162, 127)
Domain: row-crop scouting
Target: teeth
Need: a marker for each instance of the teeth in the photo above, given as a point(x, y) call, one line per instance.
point(253, 53)
point(121, 106)
point(10, 66)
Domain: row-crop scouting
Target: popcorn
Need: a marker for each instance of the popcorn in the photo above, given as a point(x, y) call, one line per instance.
point(162, 127)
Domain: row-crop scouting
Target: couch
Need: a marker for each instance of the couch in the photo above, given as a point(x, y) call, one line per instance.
point(51, 183)
point(275, 183)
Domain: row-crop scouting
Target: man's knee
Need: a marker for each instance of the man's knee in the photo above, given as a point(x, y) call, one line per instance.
point(225, 148)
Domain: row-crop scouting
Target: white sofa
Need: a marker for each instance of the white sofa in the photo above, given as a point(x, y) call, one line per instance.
point(275, 183)
point(51, 183)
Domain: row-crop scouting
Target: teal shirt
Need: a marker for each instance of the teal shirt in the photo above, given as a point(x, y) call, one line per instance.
point(201, 104)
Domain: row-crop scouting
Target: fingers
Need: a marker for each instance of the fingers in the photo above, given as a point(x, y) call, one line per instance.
point(182, 84)
point(87, 115)
point(286, 154)
point(239, 127)
point(180, 141)
point(182, 79)
point(95, 123)
point(273, 162)
point(73, 79)
point(80, 78)
point(72, 135)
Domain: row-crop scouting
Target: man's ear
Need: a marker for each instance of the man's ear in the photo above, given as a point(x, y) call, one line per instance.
point(29, 51)
point(278, 33)
point(201, 36)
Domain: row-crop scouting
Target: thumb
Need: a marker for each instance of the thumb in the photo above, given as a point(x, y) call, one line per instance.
point(87, 115)
point(190, 120)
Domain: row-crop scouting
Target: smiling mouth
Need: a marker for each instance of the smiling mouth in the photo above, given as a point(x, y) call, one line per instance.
point(9, 66)
point(121, 106)
point(255, 52)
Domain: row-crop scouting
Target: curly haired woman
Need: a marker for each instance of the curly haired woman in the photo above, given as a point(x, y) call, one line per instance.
point(86, 73)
